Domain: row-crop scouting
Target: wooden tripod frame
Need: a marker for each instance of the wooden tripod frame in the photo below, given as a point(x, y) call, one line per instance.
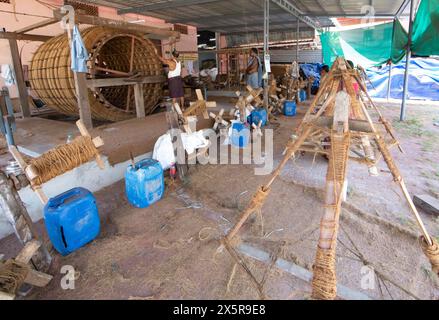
point(343, 121)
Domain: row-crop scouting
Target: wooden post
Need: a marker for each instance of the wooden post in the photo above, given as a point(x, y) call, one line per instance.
point(83, 101)
point(18, 69)
point(140, 101)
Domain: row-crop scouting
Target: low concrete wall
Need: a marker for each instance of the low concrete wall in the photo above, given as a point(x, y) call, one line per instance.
point(79, 177)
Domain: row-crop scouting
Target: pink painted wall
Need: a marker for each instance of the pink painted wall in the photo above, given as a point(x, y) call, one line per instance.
point(29, 12)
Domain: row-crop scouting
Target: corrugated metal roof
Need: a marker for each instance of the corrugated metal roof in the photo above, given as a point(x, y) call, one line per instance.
point(242, 16)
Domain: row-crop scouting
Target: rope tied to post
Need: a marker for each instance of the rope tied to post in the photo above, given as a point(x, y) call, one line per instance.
point(259, 198)
point(432, 253)
point(255, 204)
point(63, 159)
point(324, 281)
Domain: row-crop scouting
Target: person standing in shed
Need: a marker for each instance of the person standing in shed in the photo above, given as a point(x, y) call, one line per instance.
point(254, 70)
point(175, 82)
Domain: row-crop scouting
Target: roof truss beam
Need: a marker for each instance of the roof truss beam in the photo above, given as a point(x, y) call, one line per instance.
point(272, 30)
point(289, 7)
point(402, 8)
point(250, 25)
point(349, 15)
point(164, 5)
point(209, 19)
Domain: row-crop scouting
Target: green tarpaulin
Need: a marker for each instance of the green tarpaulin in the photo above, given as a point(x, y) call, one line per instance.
point(376, 45)
point(399, 42)
point(426, 29)
point(366, 46)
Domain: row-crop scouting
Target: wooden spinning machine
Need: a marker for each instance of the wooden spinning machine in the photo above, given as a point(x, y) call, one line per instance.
point(275, 98)
point(60, 160)
point(245, 102)
point(219, 119)
point(336, 125)
point(200, 106)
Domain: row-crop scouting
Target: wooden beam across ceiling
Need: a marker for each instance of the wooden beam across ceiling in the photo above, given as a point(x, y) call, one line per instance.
point(28, 37)
point(99, 21)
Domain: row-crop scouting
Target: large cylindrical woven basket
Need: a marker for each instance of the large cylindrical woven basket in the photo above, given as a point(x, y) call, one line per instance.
point(52, 79)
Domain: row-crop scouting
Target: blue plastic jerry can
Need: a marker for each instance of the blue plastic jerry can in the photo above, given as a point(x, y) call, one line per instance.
point(259, 115)
point(72, 220)
point(240, 135)
point(290, 108)
point(144, 183)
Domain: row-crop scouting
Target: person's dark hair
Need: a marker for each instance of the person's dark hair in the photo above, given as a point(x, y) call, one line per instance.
point(255, 50)
point(326, 68)
point(351, 64)
point(175, 53)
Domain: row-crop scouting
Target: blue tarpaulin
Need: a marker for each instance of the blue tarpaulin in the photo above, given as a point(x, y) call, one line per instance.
point(312, 70)
point(423, 80)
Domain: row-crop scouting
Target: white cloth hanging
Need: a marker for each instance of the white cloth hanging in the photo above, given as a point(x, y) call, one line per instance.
point(8, 75)
point(295, 70)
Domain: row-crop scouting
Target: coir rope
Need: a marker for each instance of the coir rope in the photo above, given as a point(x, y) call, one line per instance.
point(12, 276)
point(432, 253)
point(63, 159)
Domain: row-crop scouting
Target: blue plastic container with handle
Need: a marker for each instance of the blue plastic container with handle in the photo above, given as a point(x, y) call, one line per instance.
point(290, 108)
point(240, 135)
point(144, 183)
point(72, 220)
point(259, 115)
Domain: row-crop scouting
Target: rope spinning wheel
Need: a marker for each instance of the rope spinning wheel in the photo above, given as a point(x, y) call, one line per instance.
point(219, 119)
point(200, 106)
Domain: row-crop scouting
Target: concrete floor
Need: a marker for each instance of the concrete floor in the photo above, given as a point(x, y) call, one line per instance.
point(169, 251)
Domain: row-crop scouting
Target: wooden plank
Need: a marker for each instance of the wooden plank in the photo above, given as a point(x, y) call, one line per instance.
point(83, 101)
point(98, 142)
point(200, 96)
point(28, 171)
point(17, 156)
point(38, 279)
point(117, 72)
point(101, 83)
point(118, 24)
point(140, 101)
point(427, 203)
point(37, 25)
point(18, 69)
point(354, 125)
point(28, 251)
point(27, 37)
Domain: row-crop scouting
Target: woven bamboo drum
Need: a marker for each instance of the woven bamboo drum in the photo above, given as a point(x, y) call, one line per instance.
point(52, 79)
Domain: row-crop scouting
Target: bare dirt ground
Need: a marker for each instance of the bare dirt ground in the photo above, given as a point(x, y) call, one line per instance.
point(169, 251)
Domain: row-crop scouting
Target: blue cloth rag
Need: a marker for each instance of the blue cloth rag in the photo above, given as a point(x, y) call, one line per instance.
point(79, 52)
